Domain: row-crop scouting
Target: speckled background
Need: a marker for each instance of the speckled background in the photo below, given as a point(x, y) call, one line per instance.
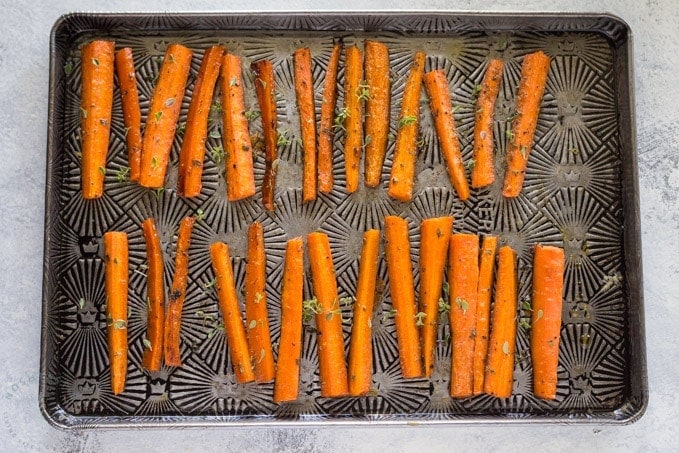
point(23, 85)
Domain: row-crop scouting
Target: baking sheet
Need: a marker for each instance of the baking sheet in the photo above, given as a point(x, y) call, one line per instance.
point(580, 193)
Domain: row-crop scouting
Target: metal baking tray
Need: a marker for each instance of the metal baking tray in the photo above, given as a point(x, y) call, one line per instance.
point(580, 193)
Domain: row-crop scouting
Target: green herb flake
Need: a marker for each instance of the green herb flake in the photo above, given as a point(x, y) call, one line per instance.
point(509, 134)
point(200, 214)
point(471, 164)
point(154, 162)
point(158, 115)
point(215, 133)
point(83, 112)
point(282, 139)
point(476, 91)
point(102, 170)
point(406, 121)
point(338, 122)
point(68, 67)
point(122, 174)
point(218, 154)
point(462, 304)
point(444, 307)
point(419, 318)
point(81, 303)
point(310, 307)
point(446, 289)
point(364, 91)
point(147, 344)
point(181, 128)
point(252, 115)
point(539, 314)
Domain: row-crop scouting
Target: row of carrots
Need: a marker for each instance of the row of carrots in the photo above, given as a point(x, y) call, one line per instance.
point(365, 118)
point(483, 340)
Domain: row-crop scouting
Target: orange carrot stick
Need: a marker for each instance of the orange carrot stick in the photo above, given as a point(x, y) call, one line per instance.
point(500, 362)
point(326, 132)
point(463, 277)
point(402, 290)
point(127, 80)
point(333, 368)
point(353, 122)
point(534, 71)
point(548, 270)
point(483, 172)
point(116, 276)
point(95, 111)
point(402, 176)
point(434, 239)
point(286, 386)
point(228, 304)
point(153, 349)
point(256, 315)
point(486, 273)
point(377, 108)
point(304, 89)
point(444, 122)
point(173, 315)
point(192, 152)
point(240, 176)
point(360, 347)
point(161, 122)
point(265, 88)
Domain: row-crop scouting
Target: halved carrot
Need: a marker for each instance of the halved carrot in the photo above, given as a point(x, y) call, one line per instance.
point(353, 122)
point(534, 71)
point(116, 271)
point(377, 108)
point(256, 314)
point(95, 110)
point(304, 89)
point(161, 122)
point(152, 358)
point(192, 153)
point(129, 94)
point(444, 122)
point(401, 180)
point(228, 304)
point(434, 238)
point(326, 132)
point(402, 291)
point(173, 315)
point(331, 361)
point(548, 274)
point(500, 362)
point(240, 176)
point(486, 273)
point(463, 277)
point(286, 386)
point(483, 172)
point(360, 346)
point(265, 89)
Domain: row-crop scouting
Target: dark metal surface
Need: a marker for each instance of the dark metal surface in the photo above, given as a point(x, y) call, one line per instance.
point(580, 193)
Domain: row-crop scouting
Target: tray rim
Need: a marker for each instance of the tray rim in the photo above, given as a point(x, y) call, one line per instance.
point(638, 399)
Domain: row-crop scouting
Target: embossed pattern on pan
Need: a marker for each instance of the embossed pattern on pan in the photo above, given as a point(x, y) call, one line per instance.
point(579, 193)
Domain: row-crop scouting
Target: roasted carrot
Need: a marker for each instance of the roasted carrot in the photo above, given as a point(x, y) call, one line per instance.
point(155, 293)
point(116, 276)
point(240, 176)
point(331, 362)
point(434, 238)
point(483, 171)
point(265, 89)
point(173, 315)
point(402, 290)
point(256, 314)
point(304, 90)
point(228, 304)
point(548, 274)
point(377, 108)
point(95, 111)
point(129, 94)
point(486, 273)
point(444, 122)
point(463, 277)
point(360, 346)
point(534, 71)
point(327, 131)
point(192, 152)
point(353, 122)
point(161, 122)
point(286, 386)
point(500, 362)
point(401, 180)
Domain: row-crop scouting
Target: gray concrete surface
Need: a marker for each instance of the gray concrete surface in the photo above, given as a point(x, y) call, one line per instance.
point(23, 111)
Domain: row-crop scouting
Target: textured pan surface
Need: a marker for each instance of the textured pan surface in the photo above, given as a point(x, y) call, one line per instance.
point(580, 193)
